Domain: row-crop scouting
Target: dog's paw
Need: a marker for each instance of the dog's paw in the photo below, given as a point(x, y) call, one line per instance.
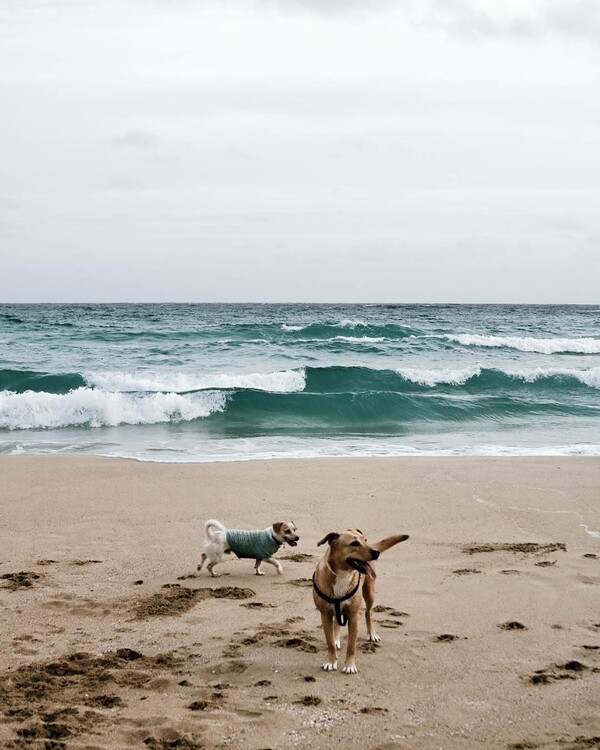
point(280, 571)
point(329, 666)
point(260, 573)
point(350, 669)
point(373, 637)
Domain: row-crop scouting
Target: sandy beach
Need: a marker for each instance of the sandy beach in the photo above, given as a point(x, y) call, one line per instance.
point(489, 615)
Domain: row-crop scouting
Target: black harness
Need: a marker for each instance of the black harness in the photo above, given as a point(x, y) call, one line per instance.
point(340, 617)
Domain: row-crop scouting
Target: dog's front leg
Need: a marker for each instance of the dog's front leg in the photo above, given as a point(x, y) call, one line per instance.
point(275, 563)
point(327, 622)
point(350, 666)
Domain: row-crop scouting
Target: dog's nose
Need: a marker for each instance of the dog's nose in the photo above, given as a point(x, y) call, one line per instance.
point(374, 554)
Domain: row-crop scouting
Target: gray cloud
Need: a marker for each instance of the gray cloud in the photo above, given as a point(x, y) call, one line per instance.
point(136, 139)
point(576, 18)
point(152, 147)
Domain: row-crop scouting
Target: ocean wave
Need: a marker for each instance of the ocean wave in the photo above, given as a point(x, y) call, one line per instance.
point(96, 408)
point(21, 381)
point(359, 339)
point(585, 345)
point(251, 413)
point(11, 318)
point(277, 382)
point(589, 377)
point(334, 379)
point(553, 376)
point(347, 323)
point(471, 379)
point(327, 331)
point(445, 376)
point(355, 399)
point(27, 380)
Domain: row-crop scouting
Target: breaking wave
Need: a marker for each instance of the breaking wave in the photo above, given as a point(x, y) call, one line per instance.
point(585, 345)
point(359, 399)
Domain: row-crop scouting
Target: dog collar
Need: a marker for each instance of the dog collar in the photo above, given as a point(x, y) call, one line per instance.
point(340, 617)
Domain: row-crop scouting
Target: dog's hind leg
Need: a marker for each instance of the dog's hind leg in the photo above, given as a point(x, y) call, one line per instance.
point(210, 567)
point(336, 635)
point(369, 597)
point(257, 569)
point(327, 622)
point(202, 561)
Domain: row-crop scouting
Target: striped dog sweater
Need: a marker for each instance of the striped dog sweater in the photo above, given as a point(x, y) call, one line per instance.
point(257, 545)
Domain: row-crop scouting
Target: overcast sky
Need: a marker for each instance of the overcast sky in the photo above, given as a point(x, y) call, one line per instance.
point(300, 150)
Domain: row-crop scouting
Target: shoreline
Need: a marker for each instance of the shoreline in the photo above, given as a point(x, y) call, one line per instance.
point(585, 450)
point(494, 541)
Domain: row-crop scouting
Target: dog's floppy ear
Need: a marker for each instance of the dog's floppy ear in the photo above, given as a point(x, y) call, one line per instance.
point(389, 541)
point(331, 537)
point(277, 527)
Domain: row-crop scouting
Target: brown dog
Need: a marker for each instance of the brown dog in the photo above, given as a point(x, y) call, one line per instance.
point(337, 584)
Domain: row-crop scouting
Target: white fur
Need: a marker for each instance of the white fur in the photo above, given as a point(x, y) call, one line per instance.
point(215, 546)
point(342, 584)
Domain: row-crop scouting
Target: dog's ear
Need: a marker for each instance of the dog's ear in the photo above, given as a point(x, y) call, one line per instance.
point(333, 536)
point(389, 541)
point(277, 526)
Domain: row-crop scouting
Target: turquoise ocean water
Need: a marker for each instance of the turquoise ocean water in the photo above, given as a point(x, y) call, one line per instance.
point(187, 382)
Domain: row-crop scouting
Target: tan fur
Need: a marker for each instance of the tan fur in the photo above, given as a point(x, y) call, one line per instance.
point(335, 576)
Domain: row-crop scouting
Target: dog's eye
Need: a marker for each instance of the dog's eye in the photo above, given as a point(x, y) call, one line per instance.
point(355, 544)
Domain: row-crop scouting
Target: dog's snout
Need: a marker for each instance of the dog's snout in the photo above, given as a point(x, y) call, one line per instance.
point(374, 553)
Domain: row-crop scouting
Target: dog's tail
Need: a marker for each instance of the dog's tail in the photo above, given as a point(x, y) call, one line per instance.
point(213, 525)
point(389, 541)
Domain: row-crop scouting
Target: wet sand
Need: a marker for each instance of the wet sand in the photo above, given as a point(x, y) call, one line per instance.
point(489, 615)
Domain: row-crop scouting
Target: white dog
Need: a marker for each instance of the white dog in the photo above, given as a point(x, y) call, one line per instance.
point(257, 545)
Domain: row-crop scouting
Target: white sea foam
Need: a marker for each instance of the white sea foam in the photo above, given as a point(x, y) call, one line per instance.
point(459, 376)
point(96, 408)
point(225, 450)
point(347, 323)
point(528, 344)
point(589, 377)
point(358, 339)
point(285, 381)
point(436, 377)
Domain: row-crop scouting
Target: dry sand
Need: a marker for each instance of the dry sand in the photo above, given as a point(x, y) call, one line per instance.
point(489, 614)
